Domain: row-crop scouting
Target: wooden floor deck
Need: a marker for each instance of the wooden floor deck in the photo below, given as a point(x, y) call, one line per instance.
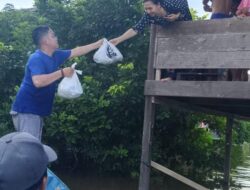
point(216, 97)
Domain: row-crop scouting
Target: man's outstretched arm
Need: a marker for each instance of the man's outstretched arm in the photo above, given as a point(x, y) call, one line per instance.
point(43, 80)
point(83, 50)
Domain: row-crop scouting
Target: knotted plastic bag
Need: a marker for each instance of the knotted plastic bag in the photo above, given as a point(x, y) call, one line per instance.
point(107, 53)
point(70, 87)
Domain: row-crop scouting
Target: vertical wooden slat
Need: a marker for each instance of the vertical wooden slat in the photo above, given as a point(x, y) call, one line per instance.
point(152, 53)
point(228, 149)
point(158, 74)
point(149, 114)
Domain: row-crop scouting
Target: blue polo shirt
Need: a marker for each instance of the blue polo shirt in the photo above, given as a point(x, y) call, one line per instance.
point(39, 101)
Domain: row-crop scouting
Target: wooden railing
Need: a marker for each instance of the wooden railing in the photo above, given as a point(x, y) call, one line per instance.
point(213, 44)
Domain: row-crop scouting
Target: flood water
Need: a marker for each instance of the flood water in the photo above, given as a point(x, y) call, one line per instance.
point(81, 182)
point(78, 181)
point(241, 176)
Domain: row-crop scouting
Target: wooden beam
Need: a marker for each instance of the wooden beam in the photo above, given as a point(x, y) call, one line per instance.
point(152, 54)
point(199, 89)
point(149, 118)
point(148, 124)
point(225, 42)
point(239, 59)
point(187, 107)
point(228, 150)
point(232, 25)
point(177, 176)
point(234, 106)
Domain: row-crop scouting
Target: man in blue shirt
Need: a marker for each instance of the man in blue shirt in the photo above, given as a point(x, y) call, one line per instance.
point(35, 97)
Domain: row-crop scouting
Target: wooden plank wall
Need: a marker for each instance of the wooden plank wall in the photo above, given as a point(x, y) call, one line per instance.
point(204, 44)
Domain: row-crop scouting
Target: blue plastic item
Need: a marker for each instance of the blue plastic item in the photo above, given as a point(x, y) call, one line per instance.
point(54, 183)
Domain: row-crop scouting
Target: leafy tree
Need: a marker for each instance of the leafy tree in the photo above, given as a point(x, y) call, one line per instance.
point(195, 16)
point(102, 129)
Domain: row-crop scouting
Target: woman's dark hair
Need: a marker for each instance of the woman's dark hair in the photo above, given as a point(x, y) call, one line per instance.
point(153, 1)
point(38, 33)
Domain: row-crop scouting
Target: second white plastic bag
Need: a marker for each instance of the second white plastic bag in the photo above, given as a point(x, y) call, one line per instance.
point(70, 87)
point(107, 53)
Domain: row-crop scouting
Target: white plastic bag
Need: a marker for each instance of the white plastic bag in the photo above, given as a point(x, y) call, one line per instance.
point(107, 53)
point(70, 87)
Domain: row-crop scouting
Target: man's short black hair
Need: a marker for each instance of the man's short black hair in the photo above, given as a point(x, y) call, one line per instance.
point(38, 33)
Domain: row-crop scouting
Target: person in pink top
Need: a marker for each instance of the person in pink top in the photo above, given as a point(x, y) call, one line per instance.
point(243, 9)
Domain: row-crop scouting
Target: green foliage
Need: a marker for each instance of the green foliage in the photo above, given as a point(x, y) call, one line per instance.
point(94, 126)
point(9, 69)
point(241, 132)
point(195, 16)
point(103, 128)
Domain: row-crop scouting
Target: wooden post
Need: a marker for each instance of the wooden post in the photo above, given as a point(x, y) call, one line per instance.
point(149, 115)
point(228, 148)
